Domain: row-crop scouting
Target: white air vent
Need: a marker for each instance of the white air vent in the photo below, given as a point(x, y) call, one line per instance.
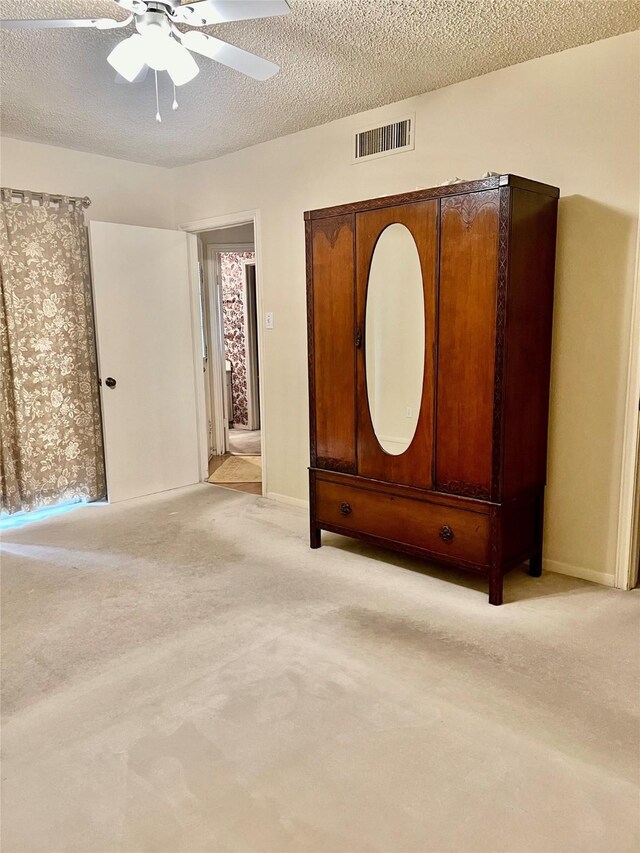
point(384, 139)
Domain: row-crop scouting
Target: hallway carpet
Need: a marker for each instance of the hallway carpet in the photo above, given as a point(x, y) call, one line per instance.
point(244, 442)
point(181, 673)
point(238, 469)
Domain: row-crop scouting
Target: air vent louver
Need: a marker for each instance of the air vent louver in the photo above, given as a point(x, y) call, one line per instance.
point(385, 139)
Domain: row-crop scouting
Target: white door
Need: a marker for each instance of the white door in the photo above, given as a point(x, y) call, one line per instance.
point(145, 337)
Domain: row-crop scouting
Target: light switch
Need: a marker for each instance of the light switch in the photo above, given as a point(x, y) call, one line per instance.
point(408, 413)
point(268, 320)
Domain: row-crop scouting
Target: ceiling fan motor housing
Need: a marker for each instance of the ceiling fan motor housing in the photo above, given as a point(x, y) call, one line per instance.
point(159, 13)
point(161, 5)
point(153, 24)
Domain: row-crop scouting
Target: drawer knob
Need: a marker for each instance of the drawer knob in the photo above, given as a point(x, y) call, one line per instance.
point(345, 508)
point(446, 533)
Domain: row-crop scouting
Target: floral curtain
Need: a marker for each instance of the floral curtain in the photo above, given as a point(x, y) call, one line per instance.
point(235, 340)
point(50, 428)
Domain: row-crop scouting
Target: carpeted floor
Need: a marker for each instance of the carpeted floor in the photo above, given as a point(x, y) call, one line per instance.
point(181, 673)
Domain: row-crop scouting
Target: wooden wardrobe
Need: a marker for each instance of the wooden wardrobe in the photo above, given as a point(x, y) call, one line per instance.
point(429, 328)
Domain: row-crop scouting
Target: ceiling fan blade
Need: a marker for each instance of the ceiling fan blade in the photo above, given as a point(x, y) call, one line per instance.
point(222, 11)
point(64, 23)
point(47, 24)
point(226, 54)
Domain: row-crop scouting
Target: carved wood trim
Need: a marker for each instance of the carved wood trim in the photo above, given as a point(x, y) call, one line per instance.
point(501, 316)
point(310, 345)
point(406, 198)
point(385, 487)
point(491, 183)
point(465, 490)
point(358, 350)
point(338, 465)
point(468, 206)
point(331, 228)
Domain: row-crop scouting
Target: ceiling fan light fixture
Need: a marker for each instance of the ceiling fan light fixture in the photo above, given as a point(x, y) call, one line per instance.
point(128, 57)
point(181, 66)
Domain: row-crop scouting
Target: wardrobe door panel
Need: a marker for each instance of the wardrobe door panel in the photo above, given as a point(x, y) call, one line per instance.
point(332, 348)
point(414, 466)
point(466, 344)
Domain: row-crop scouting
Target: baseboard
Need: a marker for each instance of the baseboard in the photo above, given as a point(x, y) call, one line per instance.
point(285, 499)
point(578, 572)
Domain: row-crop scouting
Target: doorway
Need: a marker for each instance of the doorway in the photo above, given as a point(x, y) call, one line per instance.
point(230, 323)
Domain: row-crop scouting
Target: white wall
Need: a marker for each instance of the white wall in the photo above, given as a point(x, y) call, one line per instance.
point(120, 191)
point(571, 119)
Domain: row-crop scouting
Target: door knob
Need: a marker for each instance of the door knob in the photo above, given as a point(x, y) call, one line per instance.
point(110, 382)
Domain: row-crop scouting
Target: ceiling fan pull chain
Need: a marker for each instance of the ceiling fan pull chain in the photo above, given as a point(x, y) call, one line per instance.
point(158, 116)
point(175, 100)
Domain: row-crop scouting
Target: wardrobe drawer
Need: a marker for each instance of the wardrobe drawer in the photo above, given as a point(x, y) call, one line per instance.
point(459, 534)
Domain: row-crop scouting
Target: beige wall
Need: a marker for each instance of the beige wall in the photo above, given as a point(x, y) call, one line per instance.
point(570, 119)
point(120, 191)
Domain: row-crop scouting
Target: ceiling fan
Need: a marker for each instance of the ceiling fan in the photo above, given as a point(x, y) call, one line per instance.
point(160, 45)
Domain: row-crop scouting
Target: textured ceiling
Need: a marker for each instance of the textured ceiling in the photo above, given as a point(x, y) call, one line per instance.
point(337, 57)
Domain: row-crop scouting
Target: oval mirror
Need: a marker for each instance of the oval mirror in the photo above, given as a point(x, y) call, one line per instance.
point(395, 339)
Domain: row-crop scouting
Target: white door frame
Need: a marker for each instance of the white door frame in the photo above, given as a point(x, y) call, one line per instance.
point(225, 221)
point(215, 331)
point(204, 331)
point(196, 324)
point(628, 541)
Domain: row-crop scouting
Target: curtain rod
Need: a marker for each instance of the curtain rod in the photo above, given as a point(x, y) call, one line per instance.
point(27, 195)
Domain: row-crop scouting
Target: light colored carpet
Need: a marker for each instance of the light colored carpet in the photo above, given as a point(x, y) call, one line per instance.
point(181, 673)
point(245, 442)
point(238, 469)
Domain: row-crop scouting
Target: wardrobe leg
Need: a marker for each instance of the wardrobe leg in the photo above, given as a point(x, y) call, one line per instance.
point(314, 531)
point(496, 574)
point(495, 586)
point(535, 565)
